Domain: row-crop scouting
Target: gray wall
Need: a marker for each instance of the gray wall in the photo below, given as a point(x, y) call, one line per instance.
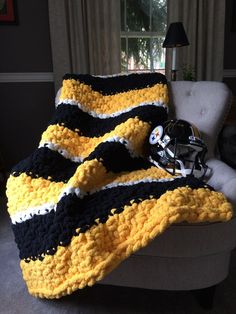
point(25, 107)
point(230, 47)
point(25, 111)
point(26, 47)
point(230, 38)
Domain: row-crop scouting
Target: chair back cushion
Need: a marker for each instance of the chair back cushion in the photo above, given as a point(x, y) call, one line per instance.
point(205, 104)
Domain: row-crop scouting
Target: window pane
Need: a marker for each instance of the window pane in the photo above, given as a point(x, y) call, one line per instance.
point(141, 50)
point(138, 15)
point(159, 16)
point(158, 53)
point(138, 53)
point(123, 55)
point(122, 15)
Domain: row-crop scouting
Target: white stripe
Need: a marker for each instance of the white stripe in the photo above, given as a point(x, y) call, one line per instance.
point(125, 73)
point(44, 208)
point(63, 152)
point(116, 75)
point(128, 73)
point(109, 115)
point(32, 211)
point(67, 155)
point(48, 207)
point(146, 180)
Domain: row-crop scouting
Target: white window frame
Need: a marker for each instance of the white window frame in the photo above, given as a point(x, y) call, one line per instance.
point(141, 34)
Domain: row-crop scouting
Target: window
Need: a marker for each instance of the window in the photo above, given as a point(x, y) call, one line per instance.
point(143, 29)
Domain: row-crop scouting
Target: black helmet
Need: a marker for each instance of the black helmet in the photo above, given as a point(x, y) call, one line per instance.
point(177, 147)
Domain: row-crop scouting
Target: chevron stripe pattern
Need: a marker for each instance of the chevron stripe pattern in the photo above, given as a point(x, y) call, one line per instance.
point(87, 198)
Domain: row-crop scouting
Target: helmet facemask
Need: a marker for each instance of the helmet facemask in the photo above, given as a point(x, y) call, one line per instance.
point(179, 153)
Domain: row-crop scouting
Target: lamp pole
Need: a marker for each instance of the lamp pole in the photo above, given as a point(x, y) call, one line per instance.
point(173, 68)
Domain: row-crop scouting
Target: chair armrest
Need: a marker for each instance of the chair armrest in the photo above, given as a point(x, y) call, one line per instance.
point(223, 179)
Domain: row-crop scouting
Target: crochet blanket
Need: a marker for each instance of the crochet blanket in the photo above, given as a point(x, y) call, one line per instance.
point(87, 198)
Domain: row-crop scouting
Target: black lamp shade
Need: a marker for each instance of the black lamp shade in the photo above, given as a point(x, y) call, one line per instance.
point(176, 36)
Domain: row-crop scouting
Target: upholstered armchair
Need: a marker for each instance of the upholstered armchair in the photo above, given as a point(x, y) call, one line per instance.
point(190, 256)
point(185, 256)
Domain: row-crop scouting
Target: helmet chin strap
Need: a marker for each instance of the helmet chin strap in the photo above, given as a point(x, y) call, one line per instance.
point(154, 162)
point(185, 171)
point(182, 171)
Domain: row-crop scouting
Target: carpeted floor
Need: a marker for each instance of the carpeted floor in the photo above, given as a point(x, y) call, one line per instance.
point(14, 297)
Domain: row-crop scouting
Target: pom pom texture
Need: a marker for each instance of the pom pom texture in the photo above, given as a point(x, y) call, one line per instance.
point(87, 198)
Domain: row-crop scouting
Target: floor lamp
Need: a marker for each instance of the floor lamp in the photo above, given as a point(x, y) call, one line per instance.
point(175, 37)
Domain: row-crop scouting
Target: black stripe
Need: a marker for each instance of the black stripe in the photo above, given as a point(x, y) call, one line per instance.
point(116, 158)
point(43, 233)
point(119, 84)
point(73, 118)
point(47, 163)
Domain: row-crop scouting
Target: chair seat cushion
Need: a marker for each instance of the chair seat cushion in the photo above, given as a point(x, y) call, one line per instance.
point(200, 239)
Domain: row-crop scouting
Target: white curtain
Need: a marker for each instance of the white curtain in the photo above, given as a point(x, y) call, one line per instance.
point(85, 37)
point(204, 22)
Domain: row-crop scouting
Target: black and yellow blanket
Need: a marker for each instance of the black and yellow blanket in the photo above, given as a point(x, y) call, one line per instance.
point(87, 198)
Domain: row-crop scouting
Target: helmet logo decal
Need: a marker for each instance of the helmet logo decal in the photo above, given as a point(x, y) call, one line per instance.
point(156, 135)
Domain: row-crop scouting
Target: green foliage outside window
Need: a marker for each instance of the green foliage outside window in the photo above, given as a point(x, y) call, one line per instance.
point(143, 16)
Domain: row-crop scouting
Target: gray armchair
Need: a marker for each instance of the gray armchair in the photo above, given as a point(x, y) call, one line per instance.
point(190, 256)
point(184, 257)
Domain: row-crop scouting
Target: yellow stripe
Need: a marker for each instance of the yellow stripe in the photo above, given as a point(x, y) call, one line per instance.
point(39, 191)
point(133, 130)
point(93, 254)
point(88, 176)
point(94, 101)
point(93, 175)
point(24, 192)
point(151, 173)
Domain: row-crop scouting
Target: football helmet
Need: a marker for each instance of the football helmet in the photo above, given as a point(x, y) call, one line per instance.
point(177, 147)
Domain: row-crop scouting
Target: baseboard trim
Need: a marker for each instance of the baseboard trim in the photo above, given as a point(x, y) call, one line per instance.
point(22, 77)
point(229, 73)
